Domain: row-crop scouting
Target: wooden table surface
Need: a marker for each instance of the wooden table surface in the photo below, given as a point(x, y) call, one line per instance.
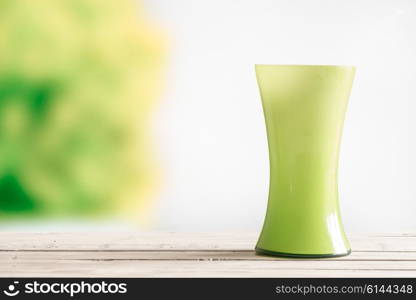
point(192, 255)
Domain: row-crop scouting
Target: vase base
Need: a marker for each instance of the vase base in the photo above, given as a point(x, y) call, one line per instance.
point(296, 255)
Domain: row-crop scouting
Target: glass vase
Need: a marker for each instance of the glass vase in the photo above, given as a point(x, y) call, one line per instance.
point(304, 108)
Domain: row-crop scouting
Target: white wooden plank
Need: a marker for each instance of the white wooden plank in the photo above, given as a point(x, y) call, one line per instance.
point(177, 241)
point(193, 255)
point(126, 241)
point(86, 268)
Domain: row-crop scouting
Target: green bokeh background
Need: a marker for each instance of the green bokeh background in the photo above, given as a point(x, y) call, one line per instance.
point(78, 82)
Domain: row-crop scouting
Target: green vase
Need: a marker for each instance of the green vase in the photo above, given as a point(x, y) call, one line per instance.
point(304, 108)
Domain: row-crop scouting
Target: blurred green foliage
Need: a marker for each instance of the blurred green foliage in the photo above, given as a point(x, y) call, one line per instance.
point(78, 81)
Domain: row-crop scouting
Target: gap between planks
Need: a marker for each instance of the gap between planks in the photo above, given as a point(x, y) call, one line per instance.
point(193, 255)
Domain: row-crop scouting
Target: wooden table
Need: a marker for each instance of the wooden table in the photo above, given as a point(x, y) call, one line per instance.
point(192, 255)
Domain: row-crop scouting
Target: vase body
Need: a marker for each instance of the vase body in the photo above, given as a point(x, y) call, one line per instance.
point(304, 108)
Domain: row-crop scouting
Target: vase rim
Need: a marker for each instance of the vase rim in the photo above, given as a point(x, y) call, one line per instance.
point(303, 65)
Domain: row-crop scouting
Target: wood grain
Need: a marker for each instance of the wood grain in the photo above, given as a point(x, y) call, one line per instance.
point(192, 255)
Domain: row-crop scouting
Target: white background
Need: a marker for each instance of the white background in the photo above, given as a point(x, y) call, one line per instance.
point(210, 128)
